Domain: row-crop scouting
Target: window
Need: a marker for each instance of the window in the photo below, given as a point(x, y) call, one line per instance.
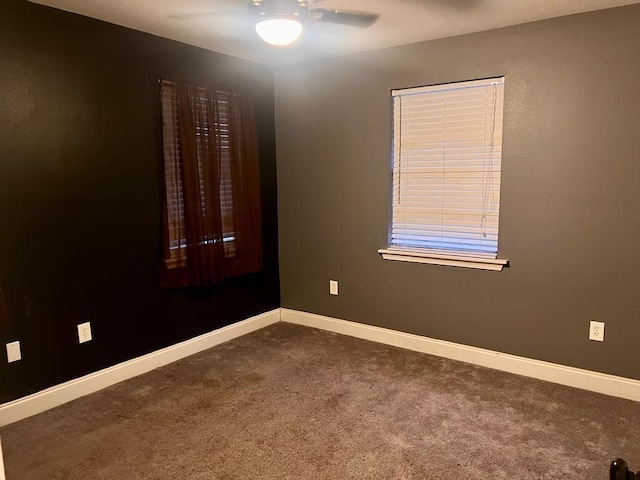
point(211, 179)
point(447, 151)
point(173, 174)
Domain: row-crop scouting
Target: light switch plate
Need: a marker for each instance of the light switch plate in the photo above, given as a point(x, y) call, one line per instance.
point(13, 352)
point(333, 287)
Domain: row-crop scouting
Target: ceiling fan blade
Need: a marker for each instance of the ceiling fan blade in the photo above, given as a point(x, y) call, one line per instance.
point(344, 17)
point(222, 12)
point(456, 4)
point(192, 16)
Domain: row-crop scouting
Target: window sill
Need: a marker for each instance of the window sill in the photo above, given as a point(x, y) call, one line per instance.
point(447, 260)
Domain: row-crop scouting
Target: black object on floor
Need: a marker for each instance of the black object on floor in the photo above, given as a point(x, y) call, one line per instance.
point(620, 471)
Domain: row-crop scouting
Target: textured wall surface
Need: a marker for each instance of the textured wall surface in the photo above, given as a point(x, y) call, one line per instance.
point(569, 197)
point(81, 191)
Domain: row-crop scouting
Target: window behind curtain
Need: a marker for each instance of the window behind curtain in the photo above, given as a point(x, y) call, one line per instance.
point(174, 214)
point(212, 209)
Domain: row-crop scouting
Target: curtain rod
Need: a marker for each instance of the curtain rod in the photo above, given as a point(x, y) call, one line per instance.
point(220, 89)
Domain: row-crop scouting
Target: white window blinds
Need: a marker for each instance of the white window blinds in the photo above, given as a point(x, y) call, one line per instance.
point(447, 150)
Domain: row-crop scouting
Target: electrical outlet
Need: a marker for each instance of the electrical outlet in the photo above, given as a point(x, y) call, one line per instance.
point(333, 287)
point(84, 332)
point(13, 352)
point(596, 331)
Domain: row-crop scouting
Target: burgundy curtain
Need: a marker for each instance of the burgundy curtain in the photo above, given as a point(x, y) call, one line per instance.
point(212, 224)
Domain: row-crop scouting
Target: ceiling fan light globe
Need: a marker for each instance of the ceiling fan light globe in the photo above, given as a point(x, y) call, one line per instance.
point(279, 32)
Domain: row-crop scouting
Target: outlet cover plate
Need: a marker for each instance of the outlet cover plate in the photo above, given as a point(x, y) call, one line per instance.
point(333, 287)
point(84, 332)
point(596, 331)
point(13, 352)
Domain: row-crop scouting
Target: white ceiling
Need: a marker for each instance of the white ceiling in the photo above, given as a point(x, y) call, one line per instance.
point(225, 26)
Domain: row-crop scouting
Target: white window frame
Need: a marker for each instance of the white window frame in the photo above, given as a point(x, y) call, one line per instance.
point(420, 231)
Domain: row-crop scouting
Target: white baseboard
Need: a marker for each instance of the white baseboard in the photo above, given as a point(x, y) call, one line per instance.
point(52, 397)
point(574, 377)
point(551, 372)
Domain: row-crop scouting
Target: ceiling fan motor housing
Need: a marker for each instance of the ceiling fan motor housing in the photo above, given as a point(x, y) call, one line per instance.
point(298, 9)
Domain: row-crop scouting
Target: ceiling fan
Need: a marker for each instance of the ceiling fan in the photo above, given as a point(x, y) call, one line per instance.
point(280, 22)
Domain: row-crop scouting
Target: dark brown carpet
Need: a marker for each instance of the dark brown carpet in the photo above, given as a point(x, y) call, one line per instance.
point(290, 402)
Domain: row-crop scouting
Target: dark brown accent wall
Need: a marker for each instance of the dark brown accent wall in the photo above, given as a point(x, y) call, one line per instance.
point(80, 195)
point(570, 192)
